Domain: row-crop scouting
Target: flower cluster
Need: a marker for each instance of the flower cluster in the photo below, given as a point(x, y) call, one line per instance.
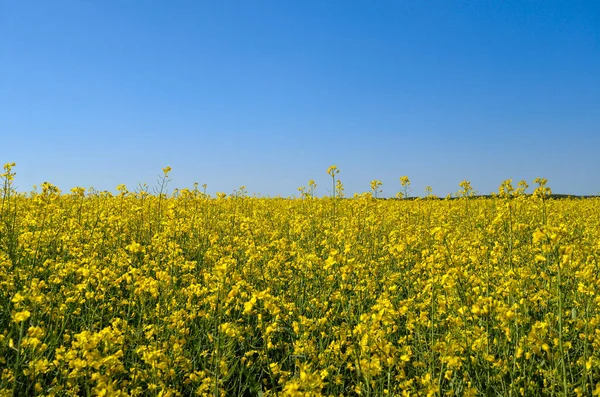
point(186, 294)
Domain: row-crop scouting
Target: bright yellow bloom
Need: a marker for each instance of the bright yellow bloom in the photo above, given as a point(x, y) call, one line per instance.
point(21, 316)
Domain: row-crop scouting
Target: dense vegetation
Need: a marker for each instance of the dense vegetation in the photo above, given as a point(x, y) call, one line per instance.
point(182, 294)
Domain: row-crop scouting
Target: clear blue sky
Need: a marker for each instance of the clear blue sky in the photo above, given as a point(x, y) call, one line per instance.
point(268, 94)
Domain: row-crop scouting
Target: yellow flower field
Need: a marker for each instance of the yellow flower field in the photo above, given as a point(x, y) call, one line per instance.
point(141, 293)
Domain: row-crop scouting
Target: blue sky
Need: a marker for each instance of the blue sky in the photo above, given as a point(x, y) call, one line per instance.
point(268, 94)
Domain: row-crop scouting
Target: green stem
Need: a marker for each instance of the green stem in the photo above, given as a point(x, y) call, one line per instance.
point(560, 328)
point(17, 361)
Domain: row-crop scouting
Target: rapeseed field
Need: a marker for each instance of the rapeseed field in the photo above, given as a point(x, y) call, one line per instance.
point(146, 294)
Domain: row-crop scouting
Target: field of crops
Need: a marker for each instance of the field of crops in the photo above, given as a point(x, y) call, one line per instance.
point(148, 294)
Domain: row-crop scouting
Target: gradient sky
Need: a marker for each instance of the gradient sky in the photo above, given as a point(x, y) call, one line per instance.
point(268, 94)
